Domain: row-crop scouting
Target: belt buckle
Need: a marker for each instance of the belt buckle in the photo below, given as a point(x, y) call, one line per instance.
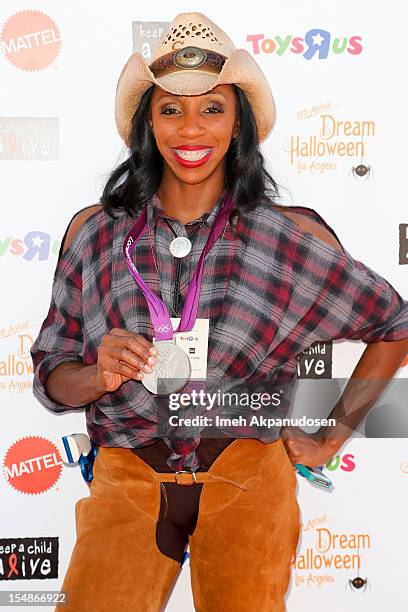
point(186, 472)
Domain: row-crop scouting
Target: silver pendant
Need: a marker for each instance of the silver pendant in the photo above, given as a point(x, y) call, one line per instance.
point(180, 246)
point(172, 370)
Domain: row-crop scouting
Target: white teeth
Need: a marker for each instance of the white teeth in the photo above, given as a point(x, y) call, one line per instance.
point(192, 155)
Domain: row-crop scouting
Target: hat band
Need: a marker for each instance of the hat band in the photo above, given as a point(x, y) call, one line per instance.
point(201, 59)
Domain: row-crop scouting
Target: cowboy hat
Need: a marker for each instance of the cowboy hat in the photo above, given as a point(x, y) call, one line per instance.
point(192, 57)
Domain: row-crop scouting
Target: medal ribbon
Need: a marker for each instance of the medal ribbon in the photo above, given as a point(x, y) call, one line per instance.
point(158, 310)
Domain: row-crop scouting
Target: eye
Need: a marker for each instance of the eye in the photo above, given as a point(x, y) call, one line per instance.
point(215, 108)
point(169, 110)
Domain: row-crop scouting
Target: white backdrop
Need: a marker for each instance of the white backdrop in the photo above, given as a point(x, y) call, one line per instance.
point(58, 144)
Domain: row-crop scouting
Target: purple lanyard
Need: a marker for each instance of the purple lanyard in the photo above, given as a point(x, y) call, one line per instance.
point(158, 310)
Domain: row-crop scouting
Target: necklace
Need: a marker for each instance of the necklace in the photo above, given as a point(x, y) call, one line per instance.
point(151, 242)
point(181, 246)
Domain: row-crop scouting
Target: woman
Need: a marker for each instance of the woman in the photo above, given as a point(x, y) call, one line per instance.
point(275, 280)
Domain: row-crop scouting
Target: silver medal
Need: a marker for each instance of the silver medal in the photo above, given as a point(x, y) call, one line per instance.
point(180, 246)
point(172, 369)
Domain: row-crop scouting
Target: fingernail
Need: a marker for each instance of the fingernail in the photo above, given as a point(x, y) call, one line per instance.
point(151, 360)
point(147, 368)
point(153, 350)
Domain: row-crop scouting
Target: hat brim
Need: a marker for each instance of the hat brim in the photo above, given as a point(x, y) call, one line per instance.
point(240, 69)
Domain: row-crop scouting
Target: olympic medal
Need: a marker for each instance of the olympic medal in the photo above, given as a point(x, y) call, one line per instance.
point(180, 246)
point(171, 372)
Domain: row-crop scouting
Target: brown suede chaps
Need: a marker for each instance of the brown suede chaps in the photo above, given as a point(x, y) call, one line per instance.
point(240, 519)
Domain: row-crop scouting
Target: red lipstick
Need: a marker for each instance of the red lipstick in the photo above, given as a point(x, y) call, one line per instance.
point(192, 147)
point(191, 163)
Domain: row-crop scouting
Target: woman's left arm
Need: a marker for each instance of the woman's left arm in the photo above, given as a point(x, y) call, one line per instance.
point(358, 304)
point(372, 374)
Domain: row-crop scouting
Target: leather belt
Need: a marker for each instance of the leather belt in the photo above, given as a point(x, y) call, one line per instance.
point(185, 477)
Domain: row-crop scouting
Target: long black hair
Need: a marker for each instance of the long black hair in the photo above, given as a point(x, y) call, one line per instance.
point(134, 181)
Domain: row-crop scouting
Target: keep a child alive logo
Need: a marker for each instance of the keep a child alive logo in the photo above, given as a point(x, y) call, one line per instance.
point(28, 558)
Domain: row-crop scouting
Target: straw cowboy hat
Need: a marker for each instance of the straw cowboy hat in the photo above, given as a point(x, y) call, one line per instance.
point(192, 57)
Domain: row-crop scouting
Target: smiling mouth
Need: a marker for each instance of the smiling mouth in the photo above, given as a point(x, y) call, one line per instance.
point(192, 155)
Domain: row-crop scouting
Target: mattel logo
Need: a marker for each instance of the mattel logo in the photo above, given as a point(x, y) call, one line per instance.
point(32, 465)
point(30, 40)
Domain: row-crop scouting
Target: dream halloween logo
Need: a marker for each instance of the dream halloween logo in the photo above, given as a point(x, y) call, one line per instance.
point(329, 139)
point(316, 43)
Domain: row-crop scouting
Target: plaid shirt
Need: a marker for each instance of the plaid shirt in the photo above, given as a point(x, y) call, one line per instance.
point(270, 290)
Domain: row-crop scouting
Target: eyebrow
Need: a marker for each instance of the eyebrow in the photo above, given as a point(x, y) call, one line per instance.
point(174, 97)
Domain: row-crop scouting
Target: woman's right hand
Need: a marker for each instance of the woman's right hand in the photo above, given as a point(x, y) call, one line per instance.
point(123, 355)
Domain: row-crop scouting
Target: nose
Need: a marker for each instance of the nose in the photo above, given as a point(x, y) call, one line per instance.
point(191, 125)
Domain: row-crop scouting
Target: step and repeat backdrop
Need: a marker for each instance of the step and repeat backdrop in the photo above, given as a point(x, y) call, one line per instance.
point(338, 76)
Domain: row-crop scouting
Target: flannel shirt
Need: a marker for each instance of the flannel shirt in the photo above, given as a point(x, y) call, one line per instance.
point(270, 290)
